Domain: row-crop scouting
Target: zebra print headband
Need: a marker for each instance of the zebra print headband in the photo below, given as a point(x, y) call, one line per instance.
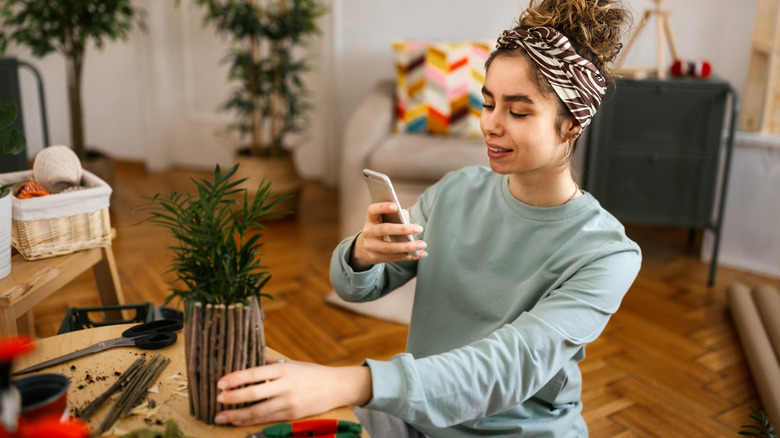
point(575, 79)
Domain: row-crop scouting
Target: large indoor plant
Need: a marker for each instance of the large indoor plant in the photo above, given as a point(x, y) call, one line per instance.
point(218, 234)
point(267, 64)
point(12, 142)
point(68, 27)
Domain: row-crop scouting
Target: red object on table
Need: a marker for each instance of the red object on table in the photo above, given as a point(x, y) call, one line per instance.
point(322, 428)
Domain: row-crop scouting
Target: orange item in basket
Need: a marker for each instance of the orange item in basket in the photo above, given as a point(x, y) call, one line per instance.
point(31, 189)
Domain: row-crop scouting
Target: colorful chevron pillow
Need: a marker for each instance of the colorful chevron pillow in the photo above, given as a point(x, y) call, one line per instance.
point(439, 86)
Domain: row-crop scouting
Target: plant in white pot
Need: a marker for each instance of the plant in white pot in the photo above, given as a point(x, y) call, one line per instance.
point(267, 61)
point(218, 234)
point(12, 142)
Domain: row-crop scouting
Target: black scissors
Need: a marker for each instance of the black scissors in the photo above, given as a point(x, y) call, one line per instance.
point(151, 335)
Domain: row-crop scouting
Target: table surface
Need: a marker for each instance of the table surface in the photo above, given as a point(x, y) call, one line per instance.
point(91, 375)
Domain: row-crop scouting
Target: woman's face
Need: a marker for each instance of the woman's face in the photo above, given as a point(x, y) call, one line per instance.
point(519, 121)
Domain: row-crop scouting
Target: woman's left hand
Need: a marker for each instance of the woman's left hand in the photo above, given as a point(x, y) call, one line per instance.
point(288, 390)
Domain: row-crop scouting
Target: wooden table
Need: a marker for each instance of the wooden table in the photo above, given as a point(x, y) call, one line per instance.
point(91, 375)
point(32, 281)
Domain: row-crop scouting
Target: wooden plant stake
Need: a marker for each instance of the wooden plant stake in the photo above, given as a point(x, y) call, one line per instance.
point(257, 320)
point(193, 327)
point(252, 356)
point(187, 352)
point(214, 370)
point(138, 384)
point(153, 372)
point(204, 368)
point(88, 410)
point(231, 338)
point(240, 341)
point(248, 344)
point(238, 351)
point(221, 350)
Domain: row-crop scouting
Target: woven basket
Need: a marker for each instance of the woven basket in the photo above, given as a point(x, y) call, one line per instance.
point(62, 223)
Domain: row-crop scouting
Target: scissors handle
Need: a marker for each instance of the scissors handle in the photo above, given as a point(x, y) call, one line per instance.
point(155, 341)
point(154, 335)
point(151, 327)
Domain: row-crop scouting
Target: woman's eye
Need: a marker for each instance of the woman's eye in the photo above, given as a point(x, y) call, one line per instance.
point(488, 106)
point(516, 115)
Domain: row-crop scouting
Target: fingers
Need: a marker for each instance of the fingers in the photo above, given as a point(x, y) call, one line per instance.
point(277, 392)
point(249, 386)
point(389, 251)
point(373, 246)
point(250, 376)
point(380, 208)
point(269, 411)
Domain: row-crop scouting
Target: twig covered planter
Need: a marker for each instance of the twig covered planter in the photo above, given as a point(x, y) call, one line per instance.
point(220, 339)
point(217, 259)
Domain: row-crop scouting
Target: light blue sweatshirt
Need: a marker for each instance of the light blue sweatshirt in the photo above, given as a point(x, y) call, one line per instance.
point(506, 301)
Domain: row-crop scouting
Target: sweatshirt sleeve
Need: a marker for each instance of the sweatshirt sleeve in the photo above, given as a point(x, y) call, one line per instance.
point(517, 361)
point(382, 278)
point(368, 285)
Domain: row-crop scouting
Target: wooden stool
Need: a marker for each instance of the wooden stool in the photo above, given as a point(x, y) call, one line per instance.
point(30, 282)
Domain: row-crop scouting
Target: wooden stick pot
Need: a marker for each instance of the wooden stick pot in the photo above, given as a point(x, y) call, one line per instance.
point(220, 339)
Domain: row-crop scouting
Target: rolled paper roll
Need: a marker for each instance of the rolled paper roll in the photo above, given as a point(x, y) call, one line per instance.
point(760, 355)
point(57, 168)
point(768, 303)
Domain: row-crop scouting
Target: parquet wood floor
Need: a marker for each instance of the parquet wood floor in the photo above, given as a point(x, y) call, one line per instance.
point(669, 363)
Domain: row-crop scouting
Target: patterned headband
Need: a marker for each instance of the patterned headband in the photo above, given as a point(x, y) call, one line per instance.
point(575, 79)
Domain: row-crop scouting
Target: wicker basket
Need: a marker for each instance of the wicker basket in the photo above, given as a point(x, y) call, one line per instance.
point(62, 223)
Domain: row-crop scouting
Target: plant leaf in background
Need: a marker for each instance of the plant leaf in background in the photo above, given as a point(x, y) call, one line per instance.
point(765, 428)
point(70, 28)
point(12, 141)
point(270, 99)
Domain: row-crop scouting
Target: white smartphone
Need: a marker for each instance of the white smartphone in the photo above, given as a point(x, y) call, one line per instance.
point(381, 190)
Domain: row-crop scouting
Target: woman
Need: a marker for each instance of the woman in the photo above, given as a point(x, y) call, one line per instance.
point(524, 269)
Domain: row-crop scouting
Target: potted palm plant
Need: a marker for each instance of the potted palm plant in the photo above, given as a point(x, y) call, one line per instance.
point(267, 63)
point(218, 234)
point(12, 142)
point(68, 27)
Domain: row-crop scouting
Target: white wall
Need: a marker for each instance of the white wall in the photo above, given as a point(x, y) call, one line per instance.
point(154, 98)
point(750, 233)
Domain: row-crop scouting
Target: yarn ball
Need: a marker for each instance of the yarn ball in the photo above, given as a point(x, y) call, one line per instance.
point(702, 69)
point(57, 168)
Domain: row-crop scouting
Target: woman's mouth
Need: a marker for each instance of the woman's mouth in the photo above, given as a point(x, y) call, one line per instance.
point(495, 152)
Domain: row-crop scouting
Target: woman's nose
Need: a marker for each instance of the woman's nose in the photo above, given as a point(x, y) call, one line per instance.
point(489, 123)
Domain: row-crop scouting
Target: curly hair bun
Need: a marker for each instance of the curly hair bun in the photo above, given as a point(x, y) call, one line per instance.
point(594, 27)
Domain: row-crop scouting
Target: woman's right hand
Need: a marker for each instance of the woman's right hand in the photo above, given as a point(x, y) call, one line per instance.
point(371, 247)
